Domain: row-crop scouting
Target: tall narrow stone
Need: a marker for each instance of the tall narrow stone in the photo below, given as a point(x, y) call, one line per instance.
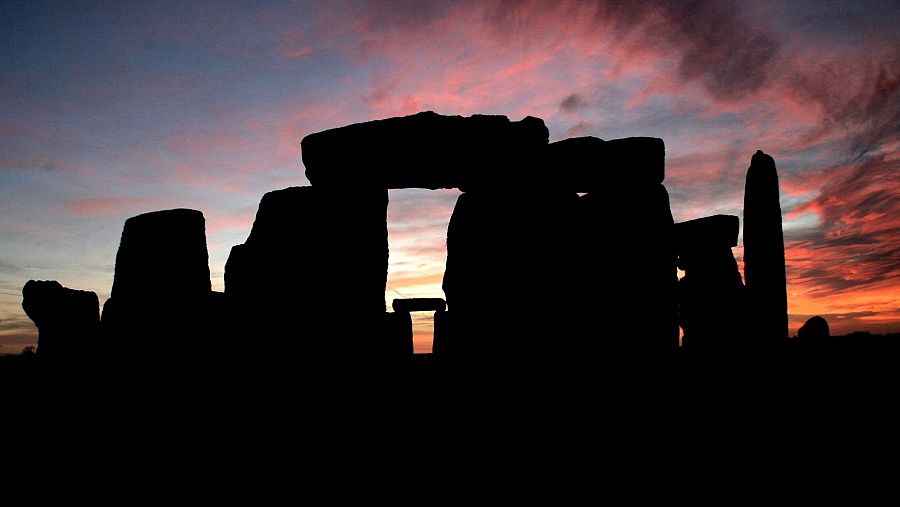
point(764, 269)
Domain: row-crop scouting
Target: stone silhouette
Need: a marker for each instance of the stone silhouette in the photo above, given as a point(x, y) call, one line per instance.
point(764, 271)
point(625, 261)
point(162, 253)
point(710, 295)
point(589, 164)
point(815, 327)
point(419, 305)
point(515, 230)
point(551, 299)
point(508, 279)
point(313, 254)
point(425, 150)
point(68, 320)
point(161, 294)
point(394, 351)
point(547, 291)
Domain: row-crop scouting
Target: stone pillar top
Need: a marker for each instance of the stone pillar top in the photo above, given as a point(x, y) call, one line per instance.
point(717, 231)
point(163, 253)
point(429, 150)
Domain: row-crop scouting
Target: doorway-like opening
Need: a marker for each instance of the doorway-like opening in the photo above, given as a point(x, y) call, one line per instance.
point(417, 239)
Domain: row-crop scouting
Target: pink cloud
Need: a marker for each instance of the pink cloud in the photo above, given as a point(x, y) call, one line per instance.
point(106, 206)
point(297, 53)
point(241, 220)
point(851, 262)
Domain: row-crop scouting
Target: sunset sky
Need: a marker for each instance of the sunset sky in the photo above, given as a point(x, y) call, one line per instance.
point(111, 109)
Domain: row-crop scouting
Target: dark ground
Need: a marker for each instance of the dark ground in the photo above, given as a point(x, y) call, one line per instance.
point(843, 388)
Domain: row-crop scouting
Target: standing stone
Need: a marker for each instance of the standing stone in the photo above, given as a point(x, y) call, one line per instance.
point(508, 281)
point(630, 275)
point(68, 320)
point(626, 262)
point(159, 306)
point(764, 269)
point(309, 281)
point(711, 292)
point(396, 349)
point(163, 254)
point(441, 347)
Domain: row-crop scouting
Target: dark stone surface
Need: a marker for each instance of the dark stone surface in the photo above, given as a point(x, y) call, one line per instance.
point(162, 254)
point(626, 275)
point(710, 295)
point(395, 351)
point(161, 291)
point(508, 280)
point(68, 320)
point(589, 164)
point(425, 150)
point(442, 336)
point(764, 269)
point(713, 232)
point(815, 327)
point(419, 305)
point(428, 150)
point(310, 248)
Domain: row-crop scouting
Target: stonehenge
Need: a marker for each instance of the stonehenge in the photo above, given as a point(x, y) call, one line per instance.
point(561, 257)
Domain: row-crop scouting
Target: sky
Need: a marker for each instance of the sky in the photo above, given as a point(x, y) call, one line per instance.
point(112, 109)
